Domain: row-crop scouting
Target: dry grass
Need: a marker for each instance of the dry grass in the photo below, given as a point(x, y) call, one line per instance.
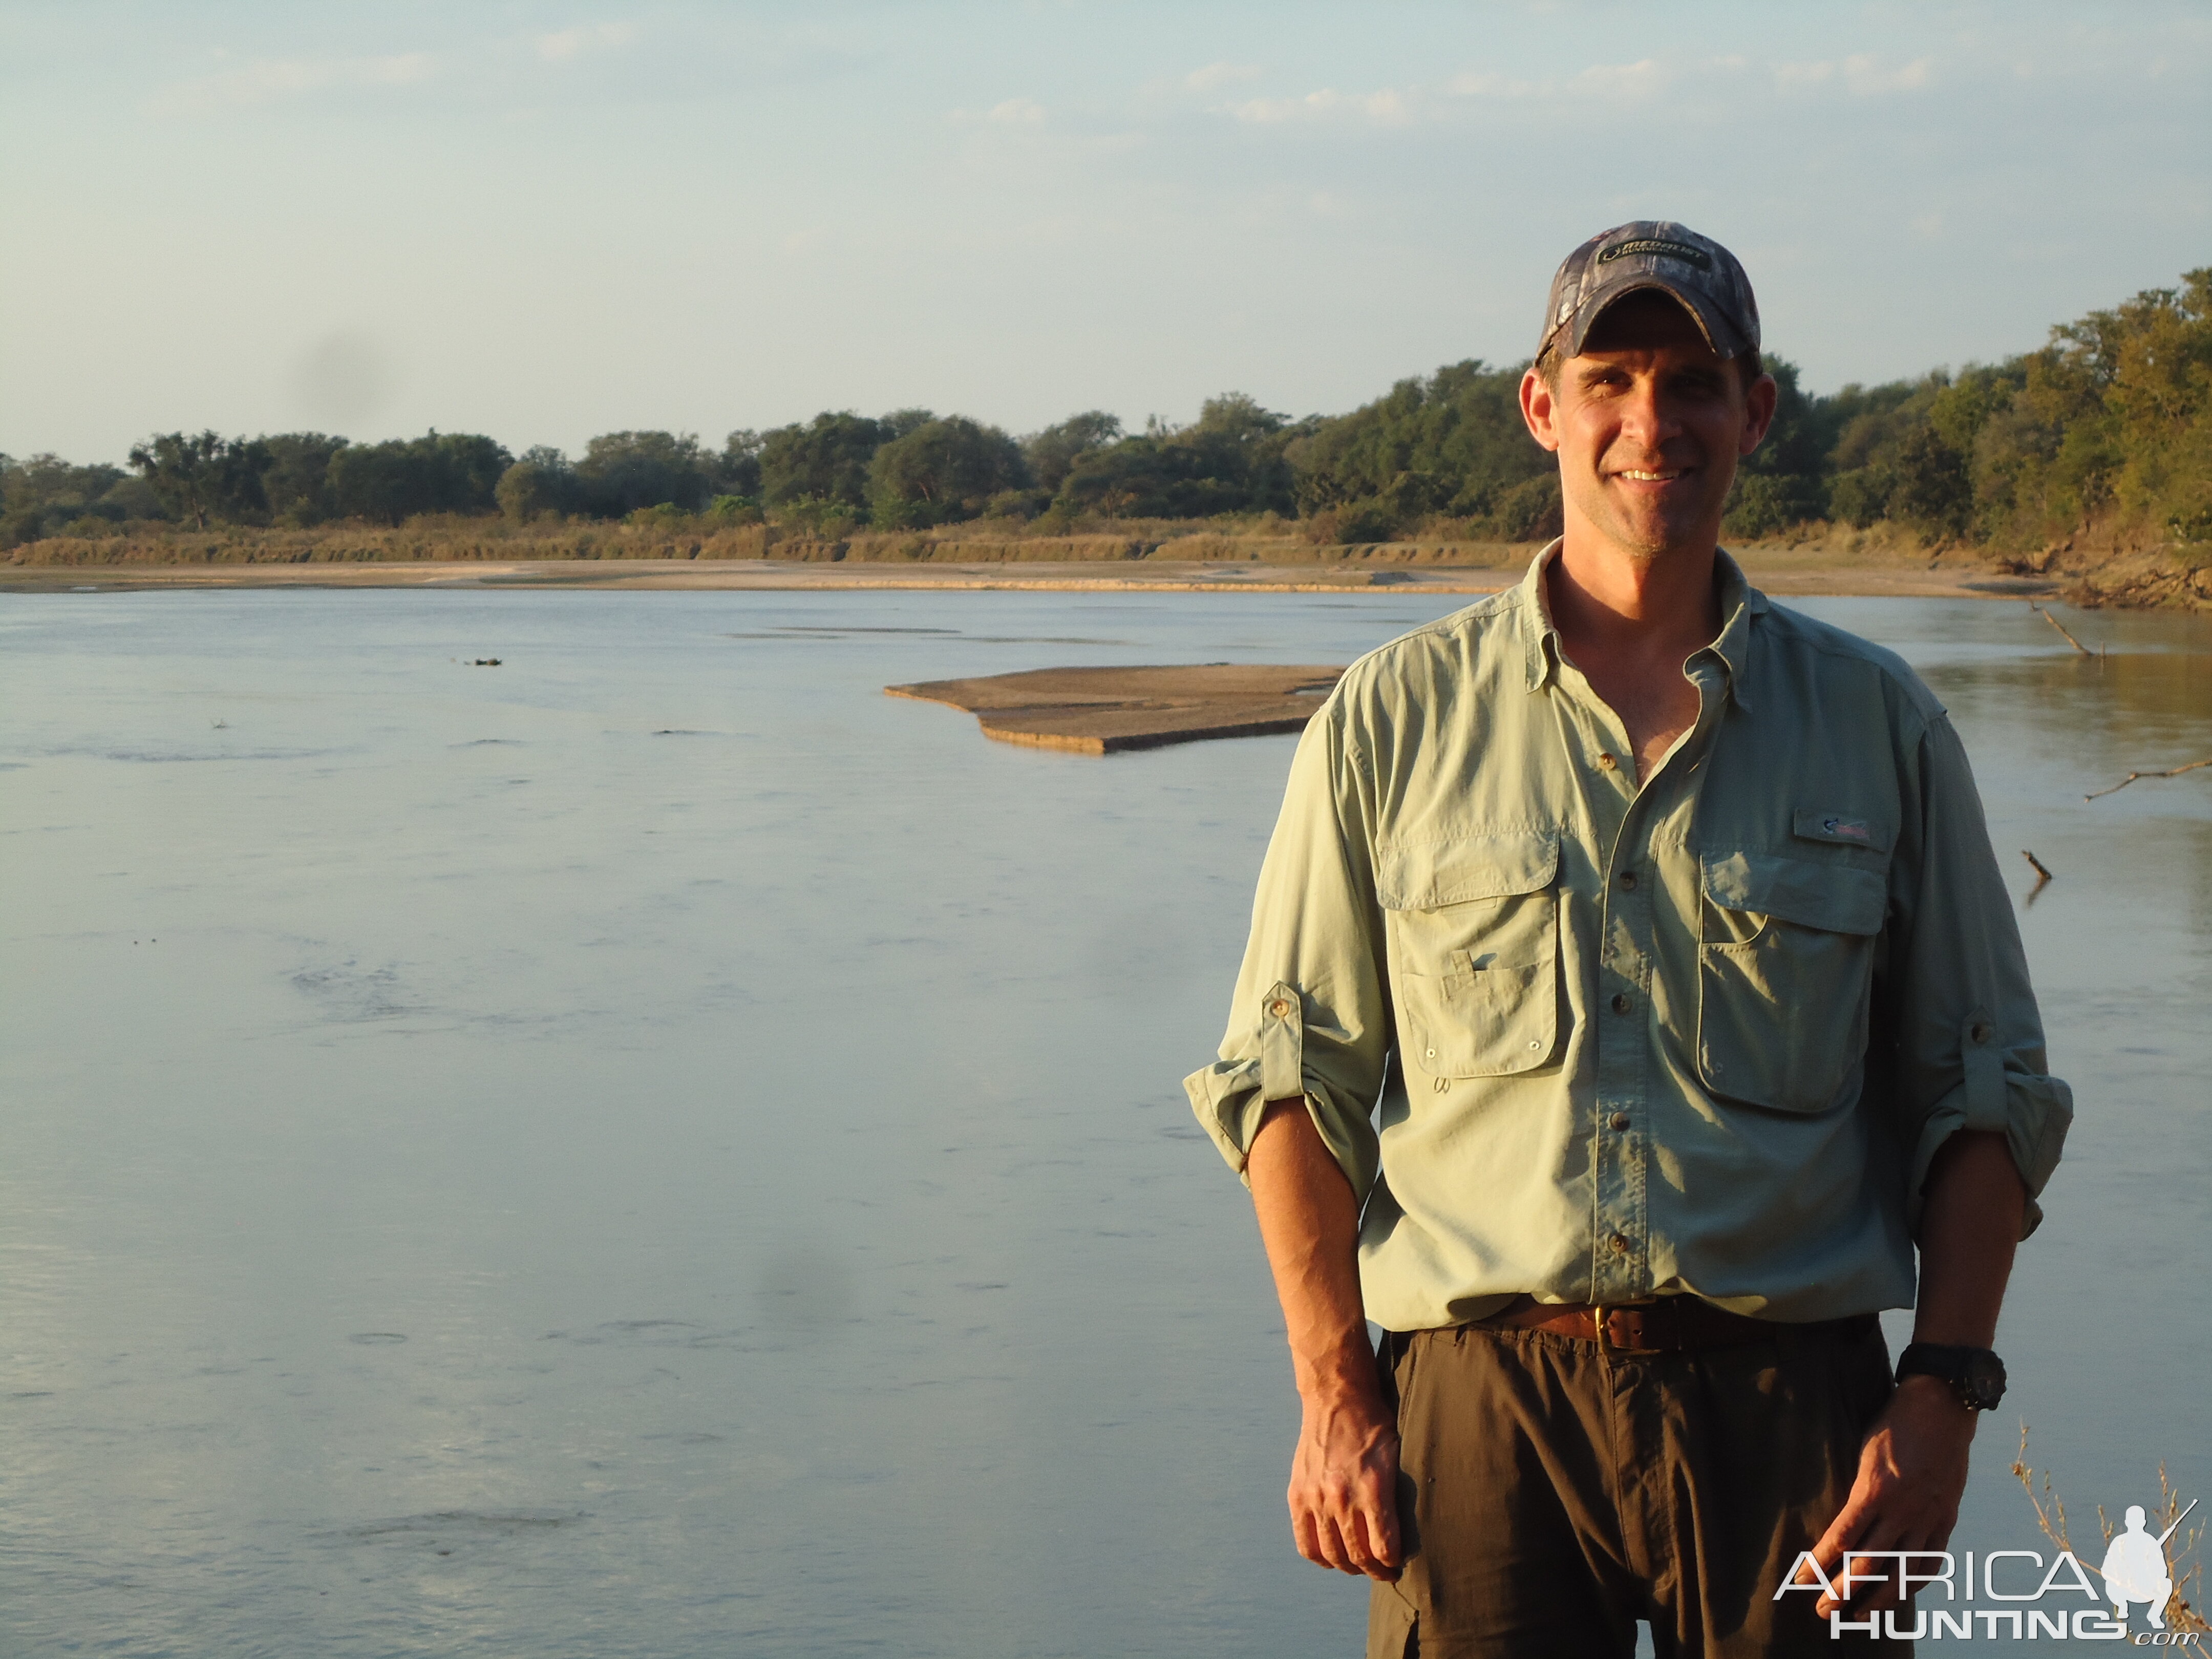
point(664, 535)
point(2184, 1562)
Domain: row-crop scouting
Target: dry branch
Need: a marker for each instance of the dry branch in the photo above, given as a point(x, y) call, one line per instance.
point(2061, 627)
point(2042, 874)
point(2174, 772)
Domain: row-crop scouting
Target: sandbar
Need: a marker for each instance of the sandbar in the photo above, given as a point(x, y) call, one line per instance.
point(1102, 711)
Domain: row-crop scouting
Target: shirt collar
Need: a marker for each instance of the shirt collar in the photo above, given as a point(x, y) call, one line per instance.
point(1739, 602)
point(1539, 638)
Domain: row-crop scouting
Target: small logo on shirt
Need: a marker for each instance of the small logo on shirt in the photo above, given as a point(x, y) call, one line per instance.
point(1850, 829)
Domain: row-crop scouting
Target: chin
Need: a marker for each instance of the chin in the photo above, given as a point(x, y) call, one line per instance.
point(1647, 541)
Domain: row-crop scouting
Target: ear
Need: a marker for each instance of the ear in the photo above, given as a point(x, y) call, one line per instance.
point(1758, 413)
point(1538, 406)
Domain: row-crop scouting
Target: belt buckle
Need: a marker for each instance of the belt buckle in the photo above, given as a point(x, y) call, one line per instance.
point(1605, 1311)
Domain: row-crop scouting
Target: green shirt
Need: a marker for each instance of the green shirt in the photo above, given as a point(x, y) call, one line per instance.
point(1593, 1041)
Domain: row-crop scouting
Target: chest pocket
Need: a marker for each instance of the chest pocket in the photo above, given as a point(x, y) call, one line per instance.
point(1783, 1002)
point(1474, 926)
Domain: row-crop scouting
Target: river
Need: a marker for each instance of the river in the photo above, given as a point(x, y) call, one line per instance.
point(655, 1148)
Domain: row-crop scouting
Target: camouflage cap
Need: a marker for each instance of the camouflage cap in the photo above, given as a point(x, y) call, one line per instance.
point(1653, 253)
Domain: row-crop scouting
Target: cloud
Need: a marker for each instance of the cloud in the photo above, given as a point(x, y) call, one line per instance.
point(1011, 112)
point(1387, 107)
point(1638, 79)
point(1862, 74)
point(1618, 81)
point(268, 80)
point(1486, 83)
point(1219, 75)
point(560, 48)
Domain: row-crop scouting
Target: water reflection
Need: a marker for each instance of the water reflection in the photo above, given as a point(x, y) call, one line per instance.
point(659, 1148)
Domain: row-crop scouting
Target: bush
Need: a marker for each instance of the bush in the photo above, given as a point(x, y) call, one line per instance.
point(1861, 497)
point(733, 510)
point(829, 520)
point(1369, 521)
point(1763, 504)
point(1530, 511)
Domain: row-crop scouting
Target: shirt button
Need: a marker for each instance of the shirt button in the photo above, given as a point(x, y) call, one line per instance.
point(1622, 1002)
point(1278, 1009)
point(1618, 1244)
point(1980, 1033)
point(1628, 880)
point(1608, 761)
point(1620, 1123)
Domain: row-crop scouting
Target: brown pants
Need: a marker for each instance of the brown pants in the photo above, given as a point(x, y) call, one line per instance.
point(1553, 1495)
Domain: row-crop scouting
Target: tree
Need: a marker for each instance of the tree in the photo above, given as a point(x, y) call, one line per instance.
point(295, 475)
point(1932, 488)
point(47, 495)
point(1453, 444)
point(1779, 483)
point(826, 460)
point(540, 484)
point(204, 477)
point(737, 471)
point(1054, 451)
point(941, 470)
point(439, 472)
point(622, 472)
point(1232, 459)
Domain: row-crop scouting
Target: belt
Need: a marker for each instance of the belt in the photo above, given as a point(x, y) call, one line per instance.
point(1666, 1324)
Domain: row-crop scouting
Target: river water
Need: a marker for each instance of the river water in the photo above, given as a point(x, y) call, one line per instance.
point(658, 1148)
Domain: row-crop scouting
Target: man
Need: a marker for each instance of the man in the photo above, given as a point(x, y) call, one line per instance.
point(1631, 988)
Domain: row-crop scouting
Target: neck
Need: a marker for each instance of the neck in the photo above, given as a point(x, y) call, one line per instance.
point(1609, 601)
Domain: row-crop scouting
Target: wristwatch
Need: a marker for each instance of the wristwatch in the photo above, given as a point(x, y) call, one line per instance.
point(1975, 1375)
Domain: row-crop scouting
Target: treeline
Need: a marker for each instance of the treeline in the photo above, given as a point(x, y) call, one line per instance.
point(2109, 424)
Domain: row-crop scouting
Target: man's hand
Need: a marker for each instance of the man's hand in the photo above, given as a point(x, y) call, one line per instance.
point(1344, 1484)
point(1912, 1470)
point(1344, 1477)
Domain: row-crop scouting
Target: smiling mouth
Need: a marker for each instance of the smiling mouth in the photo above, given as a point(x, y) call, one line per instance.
point(1635, 475)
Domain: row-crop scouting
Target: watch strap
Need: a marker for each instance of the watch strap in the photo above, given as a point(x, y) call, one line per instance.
point(1976, 1375)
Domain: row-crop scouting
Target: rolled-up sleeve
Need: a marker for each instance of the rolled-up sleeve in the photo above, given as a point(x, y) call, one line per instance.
point(1310, 1016)
point(1969, 1046)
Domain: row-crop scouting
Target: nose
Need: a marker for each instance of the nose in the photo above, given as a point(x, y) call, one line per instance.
point(1645, 417)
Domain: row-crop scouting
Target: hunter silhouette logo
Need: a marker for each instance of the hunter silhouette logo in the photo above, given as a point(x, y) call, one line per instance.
point(2135, 1567)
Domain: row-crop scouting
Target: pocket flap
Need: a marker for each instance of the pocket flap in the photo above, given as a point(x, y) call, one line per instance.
point(1425, 874)
point(1837, 897)
point(1843, 828)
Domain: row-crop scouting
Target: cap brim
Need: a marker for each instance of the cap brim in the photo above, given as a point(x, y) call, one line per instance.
point(1719, 333)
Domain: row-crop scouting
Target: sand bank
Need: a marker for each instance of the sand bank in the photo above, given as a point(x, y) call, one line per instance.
point(1099, 711)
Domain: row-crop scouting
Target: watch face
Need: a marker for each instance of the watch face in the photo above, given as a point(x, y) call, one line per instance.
point(1985, 1381)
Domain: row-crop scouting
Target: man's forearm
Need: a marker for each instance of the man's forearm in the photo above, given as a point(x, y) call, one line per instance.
point(1309, 1224)
point(1343, 1493)
point(1969, 1222)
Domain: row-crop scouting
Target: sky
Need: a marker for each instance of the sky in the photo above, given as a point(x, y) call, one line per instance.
point(543, 222)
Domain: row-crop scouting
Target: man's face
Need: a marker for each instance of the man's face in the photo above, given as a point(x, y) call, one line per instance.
point(1649, 424)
